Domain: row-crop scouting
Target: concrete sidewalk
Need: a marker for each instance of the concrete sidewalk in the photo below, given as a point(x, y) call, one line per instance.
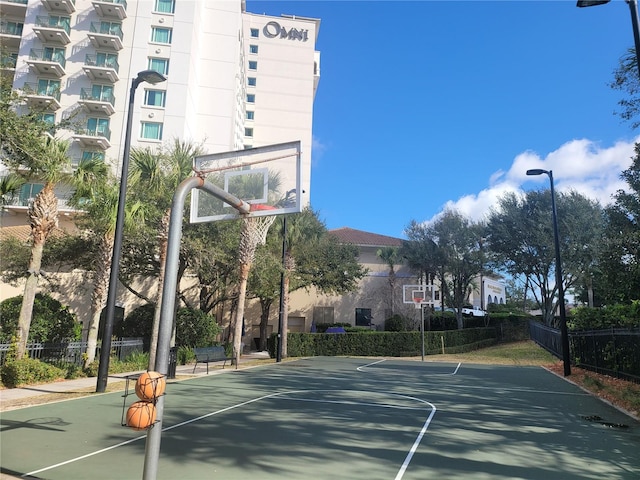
point(82, 384)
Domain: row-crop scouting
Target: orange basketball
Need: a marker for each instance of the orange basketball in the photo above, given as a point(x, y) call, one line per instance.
point(141, 415)
point(150, 385)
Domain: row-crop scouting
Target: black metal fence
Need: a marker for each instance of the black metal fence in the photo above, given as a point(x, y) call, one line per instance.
point(613, 351)
point(71, 352)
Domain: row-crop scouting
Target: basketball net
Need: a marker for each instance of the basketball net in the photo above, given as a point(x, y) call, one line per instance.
point(254, 233)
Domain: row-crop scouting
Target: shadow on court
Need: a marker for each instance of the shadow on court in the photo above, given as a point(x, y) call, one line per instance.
point(334, 418)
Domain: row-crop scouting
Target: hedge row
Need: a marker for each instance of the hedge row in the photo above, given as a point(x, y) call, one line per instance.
point(387, 344)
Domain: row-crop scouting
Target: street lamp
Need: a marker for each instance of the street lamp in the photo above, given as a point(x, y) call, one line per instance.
point(563, 316)
point(633, 7)
point(153, 77)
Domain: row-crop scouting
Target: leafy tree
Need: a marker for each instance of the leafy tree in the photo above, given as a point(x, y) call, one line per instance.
point(52, 321)
point(626, 80)
point(154, 178)
point(620, 260)
point(193, 327)
point(97, 195)
point(52, 168)
point(459, 243)
point(521, 241)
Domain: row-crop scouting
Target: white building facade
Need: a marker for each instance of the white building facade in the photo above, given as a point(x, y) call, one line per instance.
point(234, 79)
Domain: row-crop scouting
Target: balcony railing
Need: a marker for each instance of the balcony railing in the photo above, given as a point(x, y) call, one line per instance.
point(11, 28)
point(43, 91)
point(87, 94)
point(106, 29)
point(96, 132)
point(8, 61)
point(42, 55)
point(94, 61)
point(53, 22)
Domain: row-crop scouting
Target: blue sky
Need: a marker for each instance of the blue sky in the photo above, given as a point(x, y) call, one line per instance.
point(424, 105)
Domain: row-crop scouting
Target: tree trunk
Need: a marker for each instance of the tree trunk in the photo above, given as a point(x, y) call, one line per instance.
point(43, 217)
point(289, 266)
point(242, 293)
point(163, 244)
point(99, 296)
point(264, 323)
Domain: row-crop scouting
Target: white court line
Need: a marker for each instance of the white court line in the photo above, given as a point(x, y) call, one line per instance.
point(97, 452)
point(362, 367)
point(257, 399)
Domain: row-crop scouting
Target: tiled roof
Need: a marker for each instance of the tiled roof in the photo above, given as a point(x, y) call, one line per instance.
point(360, 238)
point(23, 232)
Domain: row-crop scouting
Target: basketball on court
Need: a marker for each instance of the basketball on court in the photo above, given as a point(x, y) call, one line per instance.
point(150, 385)
point(141, 415)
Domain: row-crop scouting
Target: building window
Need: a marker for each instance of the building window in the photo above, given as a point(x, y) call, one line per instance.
point(29, 191)
point(253, 65)
point(247, 147)
point(255, 33)
point(161, 35)
point(88, 155)
point(165, 6)
point(160, 65)
point(151, 131)
point(107, 60)
point(251, 81)
point(98, 127)
point(155, 98)
point(248, 132)
point(48, 118)
point(253, 48)
point(250, 115)
point(54, 54)
point(363, 317)
point(103, 93)
point(251, 98)
point(48, 87)
point(323, 315)
point(12, 28)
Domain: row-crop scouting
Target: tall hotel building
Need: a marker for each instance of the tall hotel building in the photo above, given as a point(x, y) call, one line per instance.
point(234, 79)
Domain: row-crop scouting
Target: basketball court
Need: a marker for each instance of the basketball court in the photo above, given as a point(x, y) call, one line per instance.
point(330, 418)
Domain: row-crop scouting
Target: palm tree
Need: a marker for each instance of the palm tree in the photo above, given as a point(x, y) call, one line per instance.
point(390, 256)
point(9, 185)
point(154, 178)
point(302, 231)
point(97, 194)
point(52, 169)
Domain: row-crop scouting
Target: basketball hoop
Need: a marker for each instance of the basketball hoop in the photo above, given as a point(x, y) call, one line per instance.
point(255, 231)
point(418, 302)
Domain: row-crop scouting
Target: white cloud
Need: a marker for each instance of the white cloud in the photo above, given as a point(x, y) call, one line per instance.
point(580, 165)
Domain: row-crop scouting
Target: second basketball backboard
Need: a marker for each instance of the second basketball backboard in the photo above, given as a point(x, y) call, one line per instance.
point(267, 178)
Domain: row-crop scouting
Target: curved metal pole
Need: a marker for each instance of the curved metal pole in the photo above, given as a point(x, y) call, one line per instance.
point(170, 284)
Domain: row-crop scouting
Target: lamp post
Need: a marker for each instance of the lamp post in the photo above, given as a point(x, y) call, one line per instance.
point(633, 8)
point(153, 77)
point(563, 316)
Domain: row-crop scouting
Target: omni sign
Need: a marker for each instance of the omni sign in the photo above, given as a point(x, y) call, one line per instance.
point(274, 30)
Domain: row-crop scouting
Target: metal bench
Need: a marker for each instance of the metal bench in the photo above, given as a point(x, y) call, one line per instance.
point(210, 354)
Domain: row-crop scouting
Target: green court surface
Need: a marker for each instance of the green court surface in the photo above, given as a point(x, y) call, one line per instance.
point(338, 418)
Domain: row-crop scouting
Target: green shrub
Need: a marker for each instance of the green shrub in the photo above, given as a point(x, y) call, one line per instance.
point(51, 321)
point(389, 344)
point(396, 323)
point(194, 328)
point(610, 316)
point(185, 355)
point(29, 371)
